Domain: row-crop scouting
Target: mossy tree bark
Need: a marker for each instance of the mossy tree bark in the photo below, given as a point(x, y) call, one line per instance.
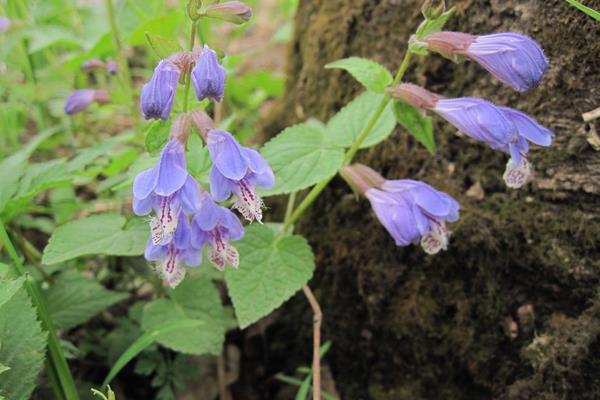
point(511, 309)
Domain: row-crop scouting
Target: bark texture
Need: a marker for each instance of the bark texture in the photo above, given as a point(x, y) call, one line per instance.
point(511, 310)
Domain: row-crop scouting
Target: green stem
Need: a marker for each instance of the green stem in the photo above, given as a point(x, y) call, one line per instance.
point(318, 188)
point(187, 74)
point(124, 75)
point(57, 364)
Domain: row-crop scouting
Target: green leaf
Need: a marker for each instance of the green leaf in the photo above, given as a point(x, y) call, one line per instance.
point(73, 299)
point(3, 368)
point(165, 26)
point(373, 76)
point(195, 299)
point(106, 234)
point(589, 11)
point(417, 124)
point(430, 26)
point(345, 126)
point(157, 134)
point(162, 46)
point(145, 341)
point(271, 270)
point(22, 342)
point(300, 157)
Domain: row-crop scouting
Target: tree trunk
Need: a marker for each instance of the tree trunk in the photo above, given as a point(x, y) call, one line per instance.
point(511, 310)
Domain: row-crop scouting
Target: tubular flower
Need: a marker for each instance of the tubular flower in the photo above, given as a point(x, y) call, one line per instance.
point(410, 210)
point(166, 188)
point(208, 76)
point(515, 59)
point(237, 169)
point(79, 100)
point(158, 94)
point(232, 11)
point(214, 226)
point(502, 128)
point(170, 257)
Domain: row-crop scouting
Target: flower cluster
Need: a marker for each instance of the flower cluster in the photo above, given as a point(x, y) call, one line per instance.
point(514, 59)
point(185, 218)
point(413, 211)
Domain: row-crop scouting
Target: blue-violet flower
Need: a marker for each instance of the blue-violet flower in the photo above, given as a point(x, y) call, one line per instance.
point(158, 95)
point(410, 210)
point(79, 100)
point(170, 257)
point(214, 225)
point(237, 169)
point(166, 188)
point(208, 76)
point(513, 58)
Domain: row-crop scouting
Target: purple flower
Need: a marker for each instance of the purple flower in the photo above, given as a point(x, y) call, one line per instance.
point(158, 94)
point(166, 188)
point(208, 76)
point(214, 226)
point(79, 100)
point(232, 11)
point(412, 210)
point(112, 67)
point(238, 170)
point(501, 128)
point(4, 24)
point(514, 59)
point(409, 210)
point(170, 257)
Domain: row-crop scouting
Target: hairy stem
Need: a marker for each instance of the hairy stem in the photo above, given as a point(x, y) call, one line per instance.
point(56, 363)
point(317, 319)
point(188, 76)
point(318, 188)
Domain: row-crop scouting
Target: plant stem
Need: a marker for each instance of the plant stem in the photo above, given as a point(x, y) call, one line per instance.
point(188, 76)
point(317, 319)
point(57, 364)
point(318, 188)
point(124, 75)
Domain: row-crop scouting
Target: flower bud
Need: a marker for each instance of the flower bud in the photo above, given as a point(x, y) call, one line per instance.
point(158, 94)
point(5, 24)
point(112, 67)
point(79, 100)
point(208, 76)
point(202, 122)
point(430, 11)
point(231, 11)
point(94, 64)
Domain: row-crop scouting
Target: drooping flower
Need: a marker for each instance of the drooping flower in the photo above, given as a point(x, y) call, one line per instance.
point(5, 24)
point(93, 64)
point(513, 58)
point(410, 210)
point(166, 188)
point(172, 256)
point(112, 67)
point(79, 100)
point(232, 11)
point(208, 76)
point(158, 95)
point(214, 225)
point(502, 128)
point(237, 169)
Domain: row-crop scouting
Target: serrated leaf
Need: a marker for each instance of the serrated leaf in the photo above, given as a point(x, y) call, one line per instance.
point(417, 124)
point(370, 74)
point(300, 157)
point(345, 126)
point(23, 342)
point(74, 299)
point(195, 299)
point(434, 25)
point(271, 270)
point(106, 234)
point(162, 46)
point(157, 134)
